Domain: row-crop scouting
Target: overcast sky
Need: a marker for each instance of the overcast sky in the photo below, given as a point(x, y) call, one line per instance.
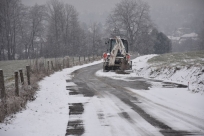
point(97, 6)
point(160, 10)
point(104, 5)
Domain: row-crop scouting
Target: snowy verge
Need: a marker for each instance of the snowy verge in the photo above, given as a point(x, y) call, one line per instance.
point(48, 115)
point(191, 76)
point(138, 63)
point(192, 102)
point(171, 107)
point(166, 104)
point(173, 98)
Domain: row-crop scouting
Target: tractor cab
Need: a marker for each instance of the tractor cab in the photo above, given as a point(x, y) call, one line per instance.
point(112, 42)
point(117, 56)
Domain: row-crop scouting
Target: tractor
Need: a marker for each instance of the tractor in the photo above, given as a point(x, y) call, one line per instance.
point(117, 56)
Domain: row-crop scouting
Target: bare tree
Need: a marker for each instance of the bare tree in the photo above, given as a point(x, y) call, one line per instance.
point(2, 55)
point(32, 29)
point(9, 24)
point(24, 30)
point(36, 18)
point(131, 16)
point(95, 33)
point(63, 28)
point(54, 13)
point(75, 32)
point(66, 27)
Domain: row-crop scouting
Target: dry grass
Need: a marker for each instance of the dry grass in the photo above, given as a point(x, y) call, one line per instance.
point(9, 67)
point(12, 104)
point(178, 59)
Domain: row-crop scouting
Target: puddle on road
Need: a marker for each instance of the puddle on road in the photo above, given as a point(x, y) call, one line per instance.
point(173, 85)
point(84, 89)
point(68, 80)
point(75, 128)
point(171, 132)
point(73, 91)
point(75, 125)
point(160, 83)
point(76, 108)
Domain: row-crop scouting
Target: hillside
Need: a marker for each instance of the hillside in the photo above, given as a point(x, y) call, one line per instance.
point(186, 68)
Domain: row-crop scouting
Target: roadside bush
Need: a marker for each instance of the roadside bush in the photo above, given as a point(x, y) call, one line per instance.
point(12, 104)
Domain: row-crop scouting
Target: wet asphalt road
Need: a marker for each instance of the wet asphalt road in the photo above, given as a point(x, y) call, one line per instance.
point(90, 85)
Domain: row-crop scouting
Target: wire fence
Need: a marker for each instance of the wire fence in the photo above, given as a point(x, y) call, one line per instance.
point(13, 74)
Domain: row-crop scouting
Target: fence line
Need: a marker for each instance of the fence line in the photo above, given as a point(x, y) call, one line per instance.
point(2, 85)
point(39, 66)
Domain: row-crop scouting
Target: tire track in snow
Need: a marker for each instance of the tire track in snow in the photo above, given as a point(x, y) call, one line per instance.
point(86, 79)
point(126, 98)
point(181, 117)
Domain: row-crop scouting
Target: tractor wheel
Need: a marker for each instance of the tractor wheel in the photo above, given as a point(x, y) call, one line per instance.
point(124, 65)
point(104, 67)
point(131, 65)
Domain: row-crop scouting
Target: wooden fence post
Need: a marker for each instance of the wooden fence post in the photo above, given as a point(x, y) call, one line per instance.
point(16, 84)
point(52, 67)
point(48, 65)
point(36, 63)
point(73, 61)
point(44, 63)
point(21, 76)
point(63, 64)
point(84, 59)
point(60, 67)
point(68, 63)
point(79, 60)
point(2, 86)
point(28, 74)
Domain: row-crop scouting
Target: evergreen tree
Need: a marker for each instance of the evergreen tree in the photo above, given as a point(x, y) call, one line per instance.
point(162, 44)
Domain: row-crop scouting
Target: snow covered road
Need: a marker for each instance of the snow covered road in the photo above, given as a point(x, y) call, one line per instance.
point(105, 113)
point(77, 102)
point(136, 110)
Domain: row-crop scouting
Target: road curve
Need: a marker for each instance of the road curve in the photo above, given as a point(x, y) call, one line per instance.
point(90, 85)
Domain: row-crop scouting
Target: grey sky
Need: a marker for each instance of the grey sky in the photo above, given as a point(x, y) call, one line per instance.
point(97, 6)
point(162, 11)
point(104, 5)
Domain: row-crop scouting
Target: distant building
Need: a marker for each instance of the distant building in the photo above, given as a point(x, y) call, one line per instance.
point(174, 39)
point(185, 42)
point(181, 31)
point(191, 36)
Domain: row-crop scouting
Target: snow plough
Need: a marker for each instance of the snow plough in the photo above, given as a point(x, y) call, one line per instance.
point(117, 56)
